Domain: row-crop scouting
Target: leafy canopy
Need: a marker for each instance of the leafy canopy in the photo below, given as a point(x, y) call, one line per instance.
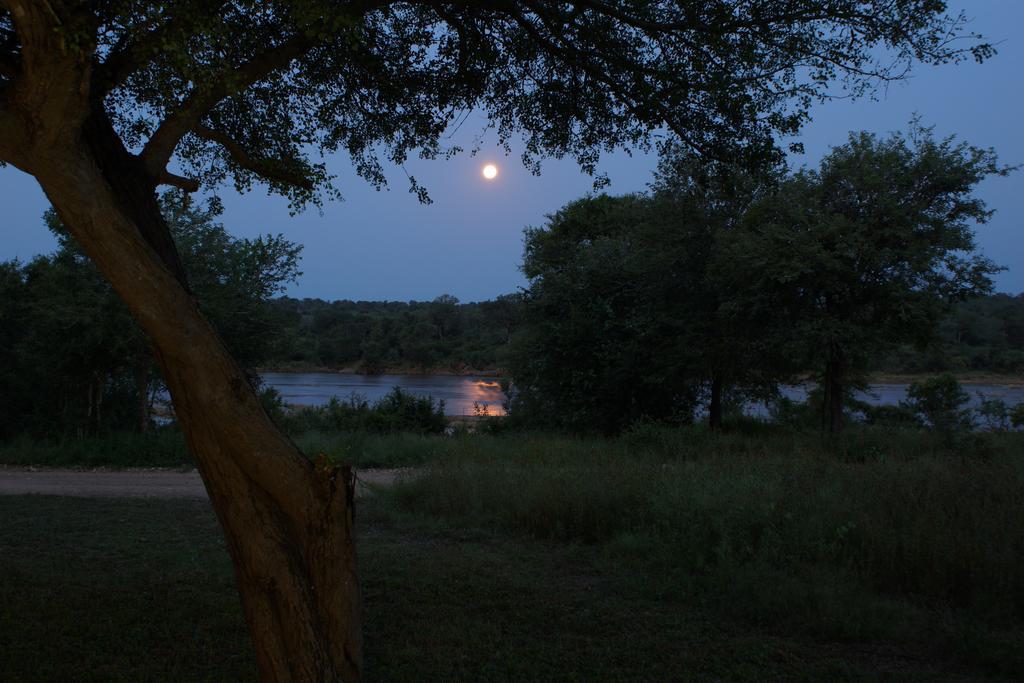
point(869, 250)
point(262, 91)
point(72, 353)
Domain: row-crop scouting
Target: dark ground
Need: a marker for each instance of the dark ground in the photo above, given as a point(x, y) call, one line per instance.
point(142, 590)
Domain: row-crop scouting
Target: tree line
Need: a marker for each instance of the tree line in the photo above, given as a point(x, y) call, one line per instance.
point(724, 281)
point(713, 288)
point(72, 359)
point(983, 334)
point(441, 335)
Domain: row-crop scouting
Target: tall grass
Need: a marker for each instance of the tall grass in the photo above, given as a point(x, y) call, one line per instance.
point(161, 448)
point(875, 534)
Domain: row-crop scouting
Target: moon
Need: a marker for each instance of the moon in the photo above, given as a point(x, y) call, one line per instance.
point(490, 171)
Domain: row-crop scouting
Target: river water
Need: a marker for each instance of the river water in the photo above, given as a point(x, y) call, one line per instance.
point(460, 393)
point(892, 394)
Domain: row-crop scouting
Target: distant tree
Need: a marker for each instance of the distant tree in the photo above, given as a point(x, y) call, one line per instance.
point(87, 359)
point(81, 350)
point(601, 317)
point(232, 278)
point(866, 252)
point(630, 289)
point(13, 328)
point(97, 99)
point(696, 203)
point(444, 315)
point(503, 312)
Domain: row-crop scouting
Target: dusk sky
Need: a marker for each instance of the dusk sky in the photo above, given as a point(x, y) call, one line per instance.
point(386, 245)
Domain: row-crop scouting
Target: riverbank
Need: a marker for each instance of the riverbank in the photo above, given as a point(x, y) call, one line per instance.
point(965, 378)
point(443, 371)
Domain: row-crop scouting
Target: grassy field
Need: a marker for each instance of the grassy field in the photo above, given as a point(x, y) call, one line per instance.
point(663, 555)
point(102, 590)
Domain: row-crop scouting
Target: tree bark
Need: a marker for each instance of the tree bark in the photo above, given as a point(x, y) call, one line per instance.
point(835, 385)
point(715, 405)
point(288, 523)
point(142, 387)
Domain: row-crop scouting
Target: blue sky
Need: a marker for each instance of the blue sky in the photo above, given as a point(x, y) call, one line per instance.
point(386, 245)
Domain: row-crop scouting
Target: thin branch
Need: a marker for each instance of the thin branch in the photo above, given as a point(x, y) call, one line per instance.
point(571, 55)
point(202, 100)
point(181, 182)
point(693, 23)
point(127, 58)
point(267, 169)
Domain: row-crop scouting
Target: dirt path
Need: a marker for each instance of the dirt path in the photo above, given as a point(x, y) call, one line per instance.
point(133, 483)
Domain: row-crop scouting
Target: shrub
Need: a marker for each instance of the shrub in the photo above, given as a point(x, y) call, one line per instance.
point(1017, 416)
point(786, 412)
point(940, 400)
point(994, 413)
point(401, 411)
point(273, 403)
point(398, 411)
point(900, 415)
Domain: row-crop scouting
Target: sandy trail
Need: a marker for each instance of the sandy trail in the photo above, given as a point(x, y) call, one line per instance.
point(133, 483)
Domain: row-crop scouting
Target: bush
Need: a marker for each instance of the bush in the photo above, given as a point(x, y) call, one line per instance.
point(161, 447)
point(786, 412)
point(273, 403)
point(900, 415)
point(940, 400)
point(1017, 416)
point(994, 412)
point(399, 411)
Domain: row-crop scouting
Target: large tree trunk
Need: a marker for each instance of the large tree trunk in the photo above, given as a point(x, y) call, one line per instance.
point(288, 523)
point(143, 408)
point(715, 405)
point(835, 386)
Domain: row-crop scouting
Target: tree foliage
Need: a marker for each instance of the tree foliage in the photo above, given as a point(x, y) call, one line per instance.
point(730, 278)
point(255, 92)
point(940, 401)
point(864, 253)
point(396, 336)
point(587, 357)
point(75, 362)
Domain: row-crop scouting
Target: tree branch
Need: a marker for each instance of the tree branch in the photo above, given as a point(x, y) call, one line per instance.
point(10, 60)
point(204, 98)
point(125, 59)
point(694, 23)
point(8, 134)
point(570, 55)
point(267, 169)
point(181, 182)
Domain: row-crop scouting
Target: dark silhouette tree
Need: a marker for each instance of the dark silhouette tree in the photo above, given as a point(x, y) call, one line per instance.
point(104, 100)
point(443, 314)
point(695, 203)
point(79, 364)
point(865, 253)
